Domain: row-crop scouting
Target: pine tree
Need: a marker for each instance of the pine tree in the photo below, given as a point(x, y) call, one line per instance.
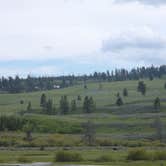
point(141, 87)
point(92, 105)
point(64, 105)
point(43, 101)
point(157, 103)
point(79, 98)
point(29, 107)
point(49, 107)
point(119, 101)
point(88, 105)
point(73, 106)
point(125, 92)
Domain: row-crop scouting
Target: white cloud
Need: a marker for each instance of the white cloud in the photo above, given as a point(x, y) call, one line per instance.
point(137, 38)
point(75, 29)
point(147, 2)
point(33, 71)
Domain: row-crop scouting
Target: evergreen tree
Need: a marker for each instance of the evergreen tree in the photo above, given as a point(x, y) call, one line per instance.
point(88, 105)
point(64, 105)
point(21, 101)
point(92, 105)
point(157, 103)
point(73, 106)
point(43, 101)
point(85, 86)
point(119, 101)
point(141, 87)
point(29, 107)
point(79, 98)
point(125, 92)
point(151, 77)
point(49, 107)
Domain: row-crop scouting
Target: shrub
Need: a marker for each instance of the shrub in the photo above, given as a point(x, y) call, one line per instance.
point(138, 154)
point(63, 156)
point(160, 155)
point(104, 158)
point(23, 159)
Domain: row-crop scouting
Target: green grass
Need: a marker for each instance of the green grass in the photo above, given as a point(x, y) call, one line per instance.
point(104, 98)
point(89, 156)
point(134, 117)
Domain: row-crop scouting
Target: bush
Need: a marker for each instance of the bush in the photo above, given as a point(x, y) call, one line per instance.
point(23, 159)
point(63, 156)
point(160, 155)
point(138, 154)
point(104, 158)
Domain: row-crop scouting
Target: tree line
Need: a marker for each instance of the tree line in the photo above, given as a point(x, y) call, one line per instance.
point(65, 107)
point(29, 84)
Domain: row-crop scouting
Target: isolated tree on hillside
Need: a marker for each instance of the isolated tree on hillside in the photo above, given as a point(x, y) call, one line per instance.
point(85, 86)
point(141, 87)
point(21, 101)
point(125, 92)
point(157, 103)
point(79, 98)
point(29, 107)
point(119, 101)
point(43, 100)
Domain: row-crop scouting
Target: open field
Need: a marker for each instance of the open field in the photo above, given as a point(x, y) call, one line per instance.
point(128, 126)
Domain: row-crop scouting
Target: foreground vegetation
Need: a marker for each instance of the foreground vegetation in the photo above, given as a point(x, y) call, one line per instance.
point(90, 156)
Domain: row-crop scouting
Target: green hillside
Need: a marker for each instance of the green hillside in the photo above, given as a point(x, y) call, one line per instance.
point(105, 98)
point(118, 128)
point(136, 116)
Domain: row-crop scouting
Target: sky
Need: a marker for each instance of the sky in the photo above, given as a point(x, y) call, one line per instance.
point(55, 37)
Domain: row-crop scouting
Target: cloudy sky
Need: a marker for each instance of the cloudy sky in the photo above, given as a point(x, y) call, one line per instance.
point(53, 37)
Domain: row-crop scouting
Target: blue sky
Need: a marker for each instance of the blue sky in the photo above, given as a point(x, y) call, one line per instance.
point(54, 37)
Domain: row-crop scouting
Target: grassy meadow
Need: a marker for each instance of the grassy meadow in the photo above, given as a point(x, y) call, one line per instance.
point(127, 126)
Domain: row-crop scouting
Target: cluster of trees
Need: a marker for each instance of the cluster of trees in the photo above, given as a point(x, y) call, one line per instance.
point(89, 106)
point(65, 107)
point(17, 84)
point(11, 123)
